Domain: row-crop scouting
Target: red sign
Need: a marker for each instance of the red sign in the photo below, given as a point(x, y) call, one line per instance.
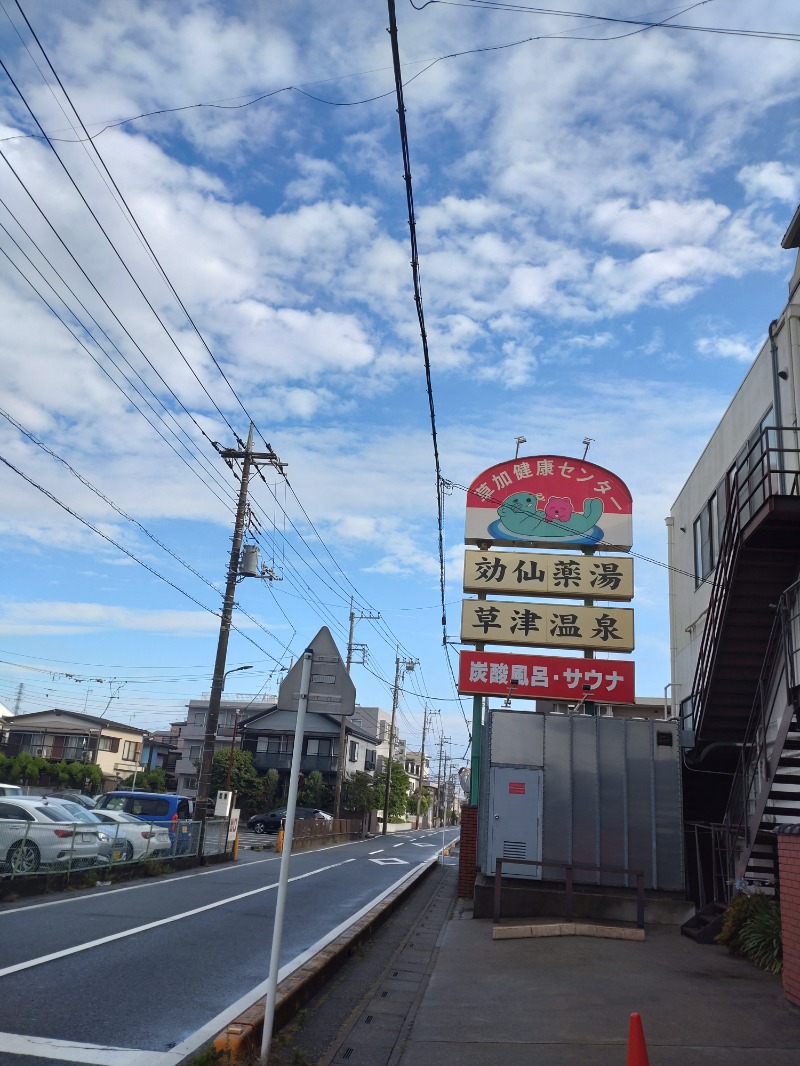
point(549, 501)
point(553, 677)
point(516, 788)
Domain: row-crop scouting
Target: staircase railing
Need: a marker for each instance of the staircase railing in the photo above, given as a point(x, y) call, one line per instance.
point(769, 467)
point(766, 731)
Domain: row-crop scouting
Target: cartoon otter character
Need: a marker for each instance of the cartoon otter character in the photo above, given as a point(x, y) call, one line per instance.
point(521, 514)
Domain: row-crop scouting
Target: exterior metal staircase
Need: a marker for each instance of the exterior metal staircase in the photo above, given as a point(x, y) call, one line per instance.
point(742, 776)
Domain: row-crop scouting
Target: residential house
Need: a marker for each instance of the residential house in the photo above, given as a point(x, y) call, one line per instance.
point(59, 735)
point(269, 735)
point(734, 567)
point(191, 733)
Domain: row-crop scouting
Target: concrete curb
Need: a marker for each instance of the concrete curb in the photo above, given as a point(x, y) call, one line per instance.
point(605, 932)
point(241, 1036)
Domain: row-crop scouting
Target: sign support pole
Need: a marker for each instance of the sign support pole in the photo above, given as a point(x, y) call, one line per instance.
point(475, 764)
point(283, 879)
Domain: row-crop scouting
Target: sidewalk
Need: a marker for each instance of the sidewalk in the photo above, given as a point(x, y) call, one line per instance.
point(567, 1000)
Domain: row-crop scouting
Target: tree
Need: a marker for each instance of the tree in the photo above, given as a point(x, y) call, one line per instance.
point(398, 791)
point(314, 792)
point(424, 802)
point(154, 780)
point(271, 781)
point(245, 782)
point(358, 793)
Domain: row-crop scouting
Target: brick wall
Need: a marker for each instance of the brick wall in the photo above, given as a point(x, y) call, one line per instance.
point(789, 867)
point(468, 853)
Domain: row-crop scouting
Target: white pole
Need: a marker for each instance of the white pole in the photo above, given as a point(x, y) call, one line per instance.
point(283, 878)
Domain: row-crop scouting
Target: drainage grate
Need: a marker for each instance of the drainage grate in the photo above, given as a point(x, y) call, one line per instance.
point(384, 994)
point(368, 1019)
point(395, 973)
point(347, 1053)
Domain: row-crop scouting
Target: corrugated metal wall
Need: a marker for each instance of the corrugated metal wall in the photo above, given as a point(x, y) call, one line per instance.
point(611, 791)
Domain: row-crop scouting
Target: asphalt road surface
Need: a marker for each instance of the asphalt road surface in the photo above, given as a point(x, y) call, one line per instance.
point(147, 972)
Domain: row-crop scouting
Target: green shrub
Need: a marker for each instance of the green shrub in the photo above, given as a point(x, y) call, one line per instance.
point(752, 928)
point(760, 938)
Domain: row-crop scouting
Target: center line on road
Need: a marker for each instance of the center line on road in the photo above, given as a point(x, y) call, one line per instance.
point(376, 852)
point(399, 845)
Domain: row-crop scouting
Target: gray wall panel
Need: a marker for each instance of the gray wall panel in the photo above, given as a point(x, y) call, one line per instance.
point(613, 806)
point(669, 813)
point(586, 794)
point(640, 798)
point(557, 799)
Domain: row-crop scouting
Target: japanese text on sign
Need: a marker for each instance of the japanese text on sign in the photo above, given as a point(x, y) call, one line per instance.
point(549, 574)
point(545, 677)
point(547, 625)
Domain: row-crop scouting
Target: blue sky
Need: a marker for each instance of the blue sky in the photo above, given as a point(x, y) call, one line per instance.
point(599, 225)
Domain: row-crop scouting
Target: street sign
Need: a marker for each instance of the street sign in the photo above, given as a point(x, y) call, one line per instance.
point(331, 690)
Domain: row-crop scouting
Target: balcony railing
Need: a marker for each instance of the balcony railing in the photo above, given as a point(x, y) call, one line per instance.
point(274, 760)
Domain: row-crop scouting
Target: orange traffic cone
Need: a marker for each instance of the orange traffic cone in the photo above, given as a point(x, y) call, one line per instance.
point(637, 1049)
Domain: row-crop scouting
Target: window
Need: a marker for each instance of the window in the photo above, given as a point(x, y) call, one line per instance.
point(273, 745)
point(189, 782)
point(199, 718)
point(149, 807)
point(130, 751)
point(316, 746)
point(353, 753)
point(195, 752)
point(369, 759)
point(104, 744)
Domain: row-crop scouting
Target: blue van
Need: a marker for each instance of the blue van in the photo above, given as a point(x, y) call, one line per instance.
point(160, 807)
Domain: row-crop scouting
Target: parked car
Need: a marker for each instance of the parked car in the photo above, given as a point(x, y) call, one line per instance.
point(160, 807)
point(156, 808)
point(134, 839)
point(10, 790)
point(270, 822)
point(74, 797)
point(79, 814)
point(36, 832)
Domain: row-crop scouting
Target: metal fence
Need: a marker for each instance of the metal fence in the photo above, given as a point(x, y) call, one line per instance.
point(28, 848)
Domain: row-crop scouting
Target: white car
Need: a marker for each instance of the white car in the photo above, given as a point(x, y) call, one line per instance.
point(133, 838)
point(35, 832)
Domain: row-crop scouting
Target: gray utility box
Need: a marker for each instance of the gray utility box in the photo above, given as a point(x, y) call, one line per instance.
point(575, 789)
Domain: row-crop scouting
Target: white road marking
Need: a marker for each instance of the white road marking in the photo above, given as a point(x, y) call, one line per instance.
point(71, 1051)
point(376, 852)
point(418, 845)
point(398, 845)
point(159, 922)
point(389, 861)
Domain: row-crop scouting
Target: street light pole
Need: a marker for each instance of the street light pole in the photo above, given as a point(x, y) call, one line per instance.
point(409, 665)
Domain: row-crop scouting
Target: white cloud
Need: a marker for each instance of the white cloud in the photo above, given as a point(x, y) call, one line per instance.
point(771, 181)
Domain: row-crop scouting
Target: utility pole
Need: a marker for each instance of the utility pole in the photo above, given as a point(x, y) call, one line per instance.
point(439, 776)
point(337, 803)
point(422, 761)
point(409, 665)
point(249, 459)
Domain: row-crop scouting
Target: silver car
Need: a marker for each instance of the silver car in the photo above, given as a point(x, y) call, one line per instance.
point(35, 832)
point(135, 839)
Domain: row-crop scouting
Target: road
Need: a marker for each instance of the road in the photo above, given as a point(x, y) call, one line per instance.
point(145, 973)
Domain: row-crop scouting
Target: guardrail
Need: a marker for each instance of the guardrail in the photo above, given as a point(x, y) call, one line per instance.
point(568, 868)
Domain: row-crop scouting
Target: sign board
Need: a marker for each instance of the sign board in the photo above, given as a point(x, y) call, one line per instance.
point(547, 625)
point(548, 501)
point(331, 690)
point(553, 677)
point(233, 825)
point(549, 574)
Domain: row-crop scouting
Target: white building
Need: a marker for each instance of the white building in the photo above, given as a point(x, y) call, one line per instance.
point(734, 557)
